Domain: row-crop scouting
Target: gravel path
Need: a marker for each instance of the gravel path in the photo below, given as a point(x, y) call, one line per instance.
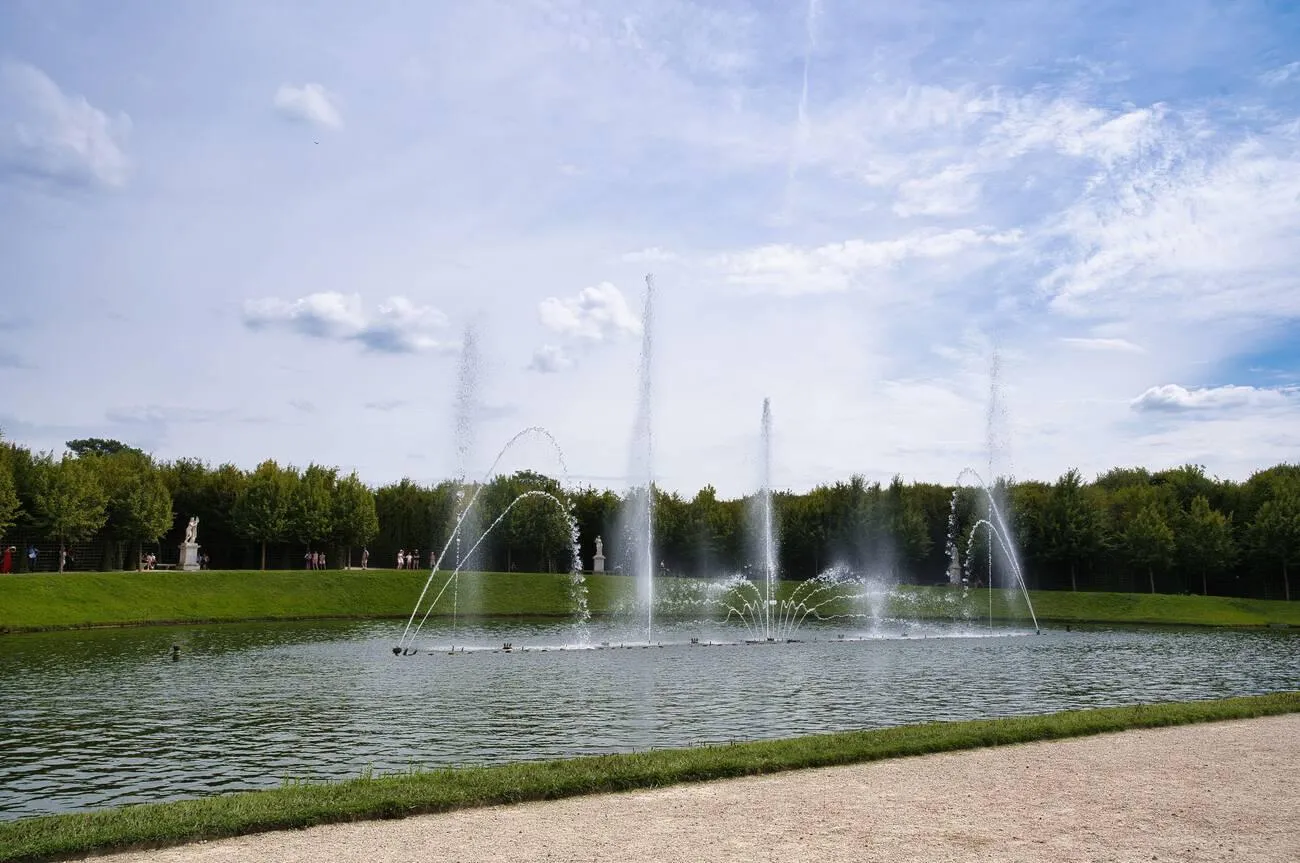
point(1224, 791)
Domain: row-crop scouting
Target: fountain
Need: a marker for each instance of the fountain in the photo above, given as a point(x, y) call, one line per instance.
point(531, 431)
point(465, 411)
point(577, 580)
point(765, 509)
point(997, 529)
point(638, 511)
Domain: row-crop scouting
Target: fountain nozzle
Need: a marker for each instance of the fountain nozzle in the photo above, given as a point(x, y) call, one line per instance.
point(397, 651)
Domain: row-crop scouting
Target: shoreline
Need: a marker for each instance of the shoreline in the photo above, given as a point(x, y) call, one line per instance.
point(45, 602)
point(1203, 793)
point(308, 804)
point(1057, 623)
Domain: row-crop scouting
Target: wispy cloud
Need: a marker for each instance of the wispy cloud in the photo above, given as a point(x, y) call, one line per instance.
point(1173, 398)
point(311, 103)
point(398, 326)
point(1120, 345)
point(652, 255)
point(793, 270)
point(550, 359)
point(50, 135)
point(1281, 75)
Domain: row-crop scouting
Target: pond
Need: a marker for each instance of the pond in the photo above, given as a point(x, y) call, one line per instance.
point(107, 717)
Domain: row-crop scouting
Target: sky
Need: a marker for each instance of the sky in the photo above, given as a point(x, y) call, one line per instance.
point(249, 230)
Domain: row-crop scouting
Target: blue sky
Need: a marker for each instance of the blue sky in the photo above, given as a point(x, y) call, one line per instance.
point(253, 229)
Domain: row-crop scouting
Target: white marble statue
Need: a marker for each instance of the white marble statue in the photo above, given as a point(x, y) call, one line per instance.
point(600, 548)
point(192, 530)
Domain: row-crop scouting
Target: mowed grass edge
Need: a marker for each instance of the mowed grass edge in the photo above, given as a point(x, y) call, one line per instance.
point(396, 796)
point(46, 601)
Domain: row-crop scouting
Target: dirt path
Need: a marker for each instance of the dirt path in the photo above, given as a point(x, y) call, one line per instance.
point(1227, 791)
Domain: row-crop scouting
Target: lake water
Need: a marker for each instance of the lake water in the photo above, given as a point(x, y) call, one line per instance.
point(98, 718)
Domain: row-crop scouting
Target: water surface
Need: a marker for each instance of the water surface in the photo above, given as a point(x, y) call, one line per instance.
point(106, 717)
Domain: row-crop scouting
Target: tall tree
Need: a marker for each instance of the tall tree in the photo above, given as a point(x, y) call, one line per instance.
point(356, 521)
point(1275, 534)
point(10, 506)
point(139, 504)
point(68, 501)
point(1073, 527)
point(311, 516)
point(261, 511)
point(1205, 543)
point(1149, 542)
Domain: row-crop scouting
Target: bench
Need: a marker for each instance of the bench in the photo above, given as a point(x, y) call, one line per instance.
point(164, 566)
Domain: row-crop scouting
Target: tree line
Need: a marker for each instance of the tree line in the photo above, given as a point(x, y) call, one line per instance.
point(1129, 529)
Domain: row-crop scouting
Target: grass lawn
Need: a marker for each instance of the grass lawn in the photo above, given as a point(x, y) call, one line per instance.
point(304, 804)
point(52, 601)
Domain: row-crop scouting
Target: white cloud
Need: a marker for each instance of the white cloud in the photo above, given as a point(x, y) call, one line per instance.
point(792, 270)
point(1101, 344)
point(549, 359)
point(398, 326)
point(1206, 237)
point(950, 192)
point(48, 134)
point(596, 314)
point(1176, 399)
point(652, 255)
point(1286, 73)
point(310, 103)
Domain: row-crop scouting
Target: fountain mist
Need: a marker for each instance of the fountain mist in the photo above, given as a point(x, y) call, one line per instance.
point(768, 550)
point(465, 411)
point(638, 515)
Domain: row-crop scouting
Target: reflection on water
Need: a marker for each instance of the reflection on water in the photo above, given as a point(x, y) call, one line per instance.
point(107, 717)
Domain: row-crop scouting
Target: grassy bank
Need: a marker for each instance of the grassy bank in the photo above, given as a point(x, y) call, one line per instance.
point(301, 805)
point(51, 601)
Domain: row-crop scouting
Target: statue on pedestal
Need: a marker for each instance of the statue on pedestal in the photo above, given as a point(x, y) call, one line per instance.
point(598, 562)
point(189, 559)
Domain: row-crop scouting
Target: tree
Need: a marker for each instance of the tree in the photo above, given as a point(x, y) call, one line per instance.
point(356, 521)
point(261, 511)
point(1205, 543)
point(10, 506)
point(1148, 542)
point(68, 501)
point(311, 516)
point(1275, 534)
point(139, 504)
point(1073, 528)
point(99, 446)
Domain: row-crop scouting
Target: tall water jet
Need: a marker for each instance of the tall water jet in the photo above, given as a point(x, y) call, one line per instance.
point(768, 539)
point(638, 511)
point(465, 411)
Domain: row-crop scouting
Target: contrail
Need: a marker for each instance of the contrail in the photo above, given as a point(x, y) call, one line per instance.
point(801, 127)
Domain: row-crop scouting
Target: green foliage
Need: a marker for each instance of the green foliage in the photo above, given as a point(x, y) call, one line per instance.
point(302, 804)
point(100, 446)
point(261, 511)
point(10, 505)
point(1148, 541)
point(1205, 543)
point(68, 501)
point(311, 509)
point(1275, 532)
point(1111, 534)
point(355, 519)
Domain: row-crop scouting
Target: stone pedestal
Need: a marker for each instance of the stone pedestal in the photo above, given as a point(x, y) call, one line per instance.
point(598, 562)
point(189, 561)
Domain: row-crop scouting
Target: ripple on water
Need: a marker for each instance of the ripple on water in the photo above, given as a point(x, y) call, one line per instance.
point(103, 718)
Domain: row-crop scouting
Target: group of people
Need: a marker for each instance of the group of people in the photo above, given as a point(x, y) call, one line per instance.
point(409, 559)
point(314, 560)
